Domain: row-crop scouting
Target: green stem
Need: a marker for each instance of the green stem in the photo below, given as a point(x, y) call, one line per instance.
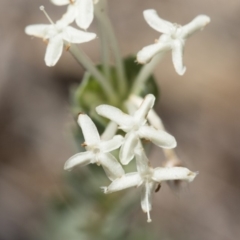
point(144, 74)
point(83, 59)
point(108, 31)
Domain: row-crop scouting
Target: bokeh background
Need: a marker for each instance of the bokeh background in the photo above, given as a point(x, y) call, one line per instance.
point(201, 109)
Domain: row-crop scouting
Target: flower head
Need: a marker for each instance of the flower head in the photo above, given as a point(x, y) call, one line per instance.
point(148, 178)
point(56, 35)
point(136, 128)
point(97, 150)
point(82, 11)
point(173, 38)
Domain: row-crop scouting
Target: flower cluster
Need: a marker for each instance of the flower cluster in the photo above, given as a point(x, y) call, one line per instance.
point(137, 127)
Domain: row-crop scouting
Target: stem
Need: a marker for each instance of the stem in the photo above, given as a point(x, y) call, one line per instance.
point(108, 31)
point(144, 74)
point(83, 59)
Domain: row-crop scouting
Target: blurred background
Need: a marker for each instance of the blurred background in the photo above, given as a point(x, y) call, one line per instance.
point(201, 109)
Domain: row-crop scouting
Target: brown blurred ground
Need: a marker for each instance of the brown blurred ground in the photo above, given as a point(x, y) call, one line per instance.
point(201, 109)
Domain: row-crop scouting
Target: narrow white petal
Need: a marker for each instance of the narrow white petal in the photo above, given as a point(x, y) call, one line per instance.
point(70, 15)
point(110, 145)
point(141, 114)
point(89, 129)
point(146, 198)
point(54, 50)
point(81, 159)
point(37, 30)
point(198, 23)
point(74, 35)
point(177, 56)
point(116, 115)
point(152, 116)
point(142, 161)
point(85, 13)
point(147, 53)
point(126, 181)
point(158, 137)
point(156, 22)
point(109, 131)
point(127, 150)
point(173, 173)
point(111, 166)
point(60, 2)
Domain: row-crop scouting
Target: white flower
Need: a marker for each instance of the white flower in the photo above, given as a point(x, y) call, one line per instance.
point(80, 10)
point(173, 38)
point(149, 179)
point(97, 150)
point(56, 34)
point(136, 128)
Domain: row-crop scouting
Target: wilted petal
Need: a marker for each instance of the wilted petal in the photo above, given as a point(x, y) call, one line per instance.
point(89, 129)
point(74, 35)
point(37, 30)
point(173, 173)
point(84, 15)
point(54, 50)
point(111, 166)
point(198, 23)
point(156, 22)
point(147, 53)
point(146, 198)
point(60, 2)
point(110, 145)
point(81, 159)
point(158, 137)
point(127, 150)
point(126, 181)
point(142, 112)
point(115, 114)
point(177, 56)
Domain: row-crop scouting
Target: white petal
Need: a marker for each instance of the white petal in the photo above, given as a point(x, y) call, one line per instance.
point(177, 56)
point(156, 22)
point(109, 131)
point(141, 114)
point(69, 16)
point(111, 166)
point(146, 198)
point(110, 145)
point(54, 50)
point(89, 129)
point(60, 2)
point(84, 13)
point(74, 35)
point(173, 173)
point(126, 181)
point(127, 150)
point(116, 115)
point(37, 30)
point(81, 159)
point(147, 53)
point(142, 161)
point(158, 137)
point(196, 24)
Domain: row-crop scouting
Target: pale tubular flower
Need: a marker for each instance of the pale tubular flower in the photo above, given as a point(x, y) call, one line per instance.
point(136, 128)
point(97, 150)
point(148, 178)
point(56, 35)
point(82, 11)
point(173, 38)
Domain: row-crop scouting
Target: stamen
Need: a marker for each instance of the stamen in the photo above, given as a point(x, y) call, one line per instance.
point(50, 20)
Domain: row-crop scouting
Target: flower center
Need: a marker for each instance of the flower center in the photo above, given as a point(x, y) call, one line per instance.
point(175, 30)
